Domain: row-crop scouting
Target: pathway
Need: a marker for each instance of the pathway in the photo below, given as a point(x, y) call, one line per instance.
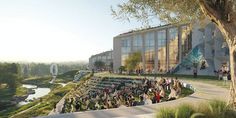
point(203, 93)
point(24, 111)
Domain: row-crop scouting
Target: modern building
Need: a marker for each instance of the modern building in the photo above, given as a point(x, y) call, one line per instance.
point(173, 49)
point(105, 57)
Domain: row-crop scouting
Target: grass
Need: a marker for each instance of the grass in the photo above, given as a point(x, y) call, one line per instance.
point(44, 107)
point(212, 109)
point(44, 81)
point(7, 95)
point(39, 81)
point(48, 101)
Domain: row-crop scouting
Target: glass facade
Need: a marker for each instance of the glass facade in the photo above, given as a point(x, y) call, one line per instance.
point(138, 47)
point(186, 42)
point(161, 38)
point(149, 51)
point(125, 49)
point(173, 48)
point(137, 43)
point(167, 48)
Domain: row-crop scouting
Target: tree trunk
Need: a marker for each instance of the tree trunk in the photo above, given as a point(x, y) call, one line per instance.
point(224, 16)
point(232, 55)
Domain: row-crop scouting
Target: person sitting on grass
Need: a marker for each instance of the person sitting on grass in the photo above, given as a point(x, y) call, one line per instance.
point(141, 101)
point(148, 101)
point(156, 97)
point(172, 95)
point(162, 93)
point(178, 89)
point(97, 106)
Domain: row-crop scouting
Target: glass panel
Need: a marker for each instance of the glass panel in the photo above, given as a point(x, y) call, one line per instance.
point(149, 51)
point(173, 48)
point(125, 49)
point(185, 40)
point(137, 43)
point(161, 38)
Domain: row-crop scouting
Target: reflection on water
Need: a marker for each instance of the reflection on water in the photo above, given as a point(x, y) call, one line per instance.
point(39, 92)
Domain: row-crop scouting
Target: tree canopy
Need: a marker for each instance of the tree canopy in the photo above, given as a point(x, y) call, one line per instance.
point(10, 74)
point(99, 64)
point(168, 11)
point(133, 60)
point(221, 12)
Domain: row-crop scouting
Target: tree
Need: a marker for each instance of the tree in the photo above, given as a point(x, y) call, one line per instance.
point(121, 69)
point(99, 64)
point(10, 74)
point(132, 61)
point(221, 12)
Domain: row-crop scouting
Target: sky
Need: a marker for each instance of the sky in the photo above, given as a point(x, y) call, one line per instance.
point(58, 30)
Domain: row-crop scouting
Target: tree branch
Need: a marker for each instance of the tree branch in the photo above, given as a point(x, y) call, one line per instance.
point(227, 28)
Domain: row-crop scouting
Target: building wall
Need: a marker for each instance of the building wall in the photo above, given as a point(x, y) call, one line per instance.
point(106, 57)
point(161, 48)
point(117, 53)
point(164, 47)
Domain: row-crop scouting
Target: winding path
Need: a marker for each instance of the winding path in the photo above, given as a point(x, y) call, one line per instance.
point(203, 93)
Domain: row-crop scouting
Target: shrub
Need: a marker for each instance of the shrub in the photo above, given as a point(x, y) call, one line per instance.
point(166, 113)
point(214, 109)
point(184, 111)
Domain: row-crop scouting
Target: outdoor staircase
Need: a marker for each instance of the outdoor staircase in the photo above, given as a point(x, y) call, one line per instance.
point(194, 56)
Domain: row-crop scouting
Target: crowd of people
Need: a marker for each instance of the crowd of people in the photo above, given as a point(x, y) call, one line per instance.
point(144, 92)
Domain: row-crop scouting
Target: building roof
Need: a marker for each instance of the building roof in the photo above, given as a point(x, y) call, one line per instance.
point(143, 29)
point(103, 53)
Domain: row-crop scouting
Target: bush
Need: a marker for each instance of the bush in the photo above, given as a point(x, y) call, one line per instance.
point(166, 113)
point(214, 109)
point(184, 111)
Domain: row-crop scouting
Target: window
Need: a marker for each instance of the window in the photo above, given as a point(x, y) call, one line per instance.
point(173, 48)
point(137, 43)
point(185, 40)
point(149, 51)
point(125, 49)
point(161, 38)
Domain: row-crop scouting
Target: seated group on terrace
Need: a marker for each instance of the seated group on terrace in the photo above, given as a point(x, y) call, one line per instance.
point(115, 93)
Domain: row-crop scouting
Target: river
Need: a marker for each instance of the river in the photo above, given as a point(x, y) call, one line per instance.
point(39, 92)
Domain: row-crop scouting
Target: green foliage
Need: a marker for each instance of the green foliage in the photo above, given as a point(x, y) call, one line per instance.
point(68, 74)
point(47, 104)
point(168, 11)
point(133, 60)
point(166, 113)
point(10, 74)
point(214, 109)
point(121, 69)
point(186, 92)
point(39, 81)
point(99, 64)
point(217, 109)
point(43, 69)
point(184, 111)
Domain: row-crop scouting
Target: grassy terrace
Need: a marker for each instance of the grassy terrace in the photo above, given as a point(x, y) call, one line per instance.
point(40, 106)
point(43, 106)
point(204, 79)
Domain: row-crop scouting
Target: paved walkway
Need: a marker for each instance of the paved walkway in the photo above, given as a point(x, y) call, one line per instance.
point(203, 93)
